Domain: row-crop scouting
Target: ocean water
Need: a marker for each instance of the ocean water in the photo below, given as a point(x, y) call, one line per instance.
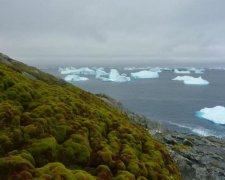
point(171, 103)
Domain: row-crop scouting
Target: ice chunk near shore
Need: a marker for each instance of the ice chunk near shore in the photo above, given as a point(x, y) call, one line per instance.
point(215, 114)
point(191, 80)
point(144, 74)
point(74, 78)
point(181, 71)
point(72, 70)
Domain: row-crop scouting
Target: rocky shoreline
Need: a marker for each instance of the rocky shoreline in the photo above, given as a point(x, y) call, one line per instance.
point(198, 158)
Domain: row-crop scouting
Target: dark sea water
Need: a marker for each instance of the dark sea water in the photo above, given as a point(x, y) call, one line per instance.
point(171, 103)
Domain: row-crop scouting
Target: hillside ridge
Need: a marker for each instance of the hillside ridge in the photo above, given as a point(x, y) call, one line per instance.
point(54, 130)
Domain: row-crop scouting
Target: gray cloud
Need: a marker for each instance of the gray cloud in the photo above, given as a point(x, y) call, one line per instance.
point(163, 30)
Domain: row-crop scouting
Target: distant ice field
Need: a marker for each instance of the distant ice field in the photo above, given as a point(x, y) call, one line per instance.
point(171, 103)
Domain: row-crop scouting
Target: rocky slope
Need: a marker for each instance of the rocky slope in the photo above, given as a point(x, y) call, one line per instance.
point(53, 130)
point(198, 158)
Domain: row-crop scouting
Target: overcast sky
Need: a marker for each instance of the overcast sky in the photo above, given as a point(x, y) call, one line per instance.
point(163, 31)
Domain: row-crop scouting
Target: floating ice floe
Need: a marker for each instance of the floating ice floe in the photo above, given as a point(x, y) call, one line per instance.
point(167, 69)
point(181, 71)
point(74, 78)
point(215, 114)
point(156, 69)
point(144, 74)
point(135, 68)
point(100, 72)
point(191, 80)
point(197, 70)
point(114, 76)
point(67, 70)
point(129, 68)
point(79, 71)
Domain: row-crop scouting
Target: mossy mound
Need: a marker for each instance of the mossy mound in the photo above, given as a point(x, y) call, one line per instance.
point(53, 130)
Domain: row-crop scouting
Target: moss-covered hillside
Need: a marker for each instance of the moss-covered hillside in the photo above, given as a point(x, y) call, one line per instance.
point(50, 129)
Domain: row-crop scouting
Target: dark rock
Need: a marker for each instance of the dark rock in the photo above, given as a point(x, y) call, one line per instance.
point(170, 140)
point(187, 142)
point(178, 137)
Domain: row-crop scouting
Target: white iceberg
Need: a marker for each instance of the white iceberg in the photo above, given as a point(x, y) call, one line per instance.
point(191, 80)
point(67, 70)
point(197, 70)
point(129, 68)
point(114, 76)
point(136, 68)
point(79, 71)
point(215, 114)
point(86, 71)
point(74, 78)
point(156, 69)
point(167, 69)
point(181, 71)
point(144, 74)
point(100, 72)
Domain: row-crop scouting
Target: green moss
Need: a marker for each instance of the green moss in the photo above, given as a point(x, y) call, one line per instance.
point(43, 150)
point(115, 147)
point(77, 153)
point(142, 178)
point(125, 175)
point(106, 156)
point(55, 171)
point(32, 131)
point(133, 168)
point(128, 153)
point(81, 138)
point(11, 164)
point(60, 132)
point(6, 143)
point(120, 165)
point(181, 147)
point(26, 155)
point(43, 111)
point(103, 172)
point(82, 175)
point(9, 115)
point(40, 145)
